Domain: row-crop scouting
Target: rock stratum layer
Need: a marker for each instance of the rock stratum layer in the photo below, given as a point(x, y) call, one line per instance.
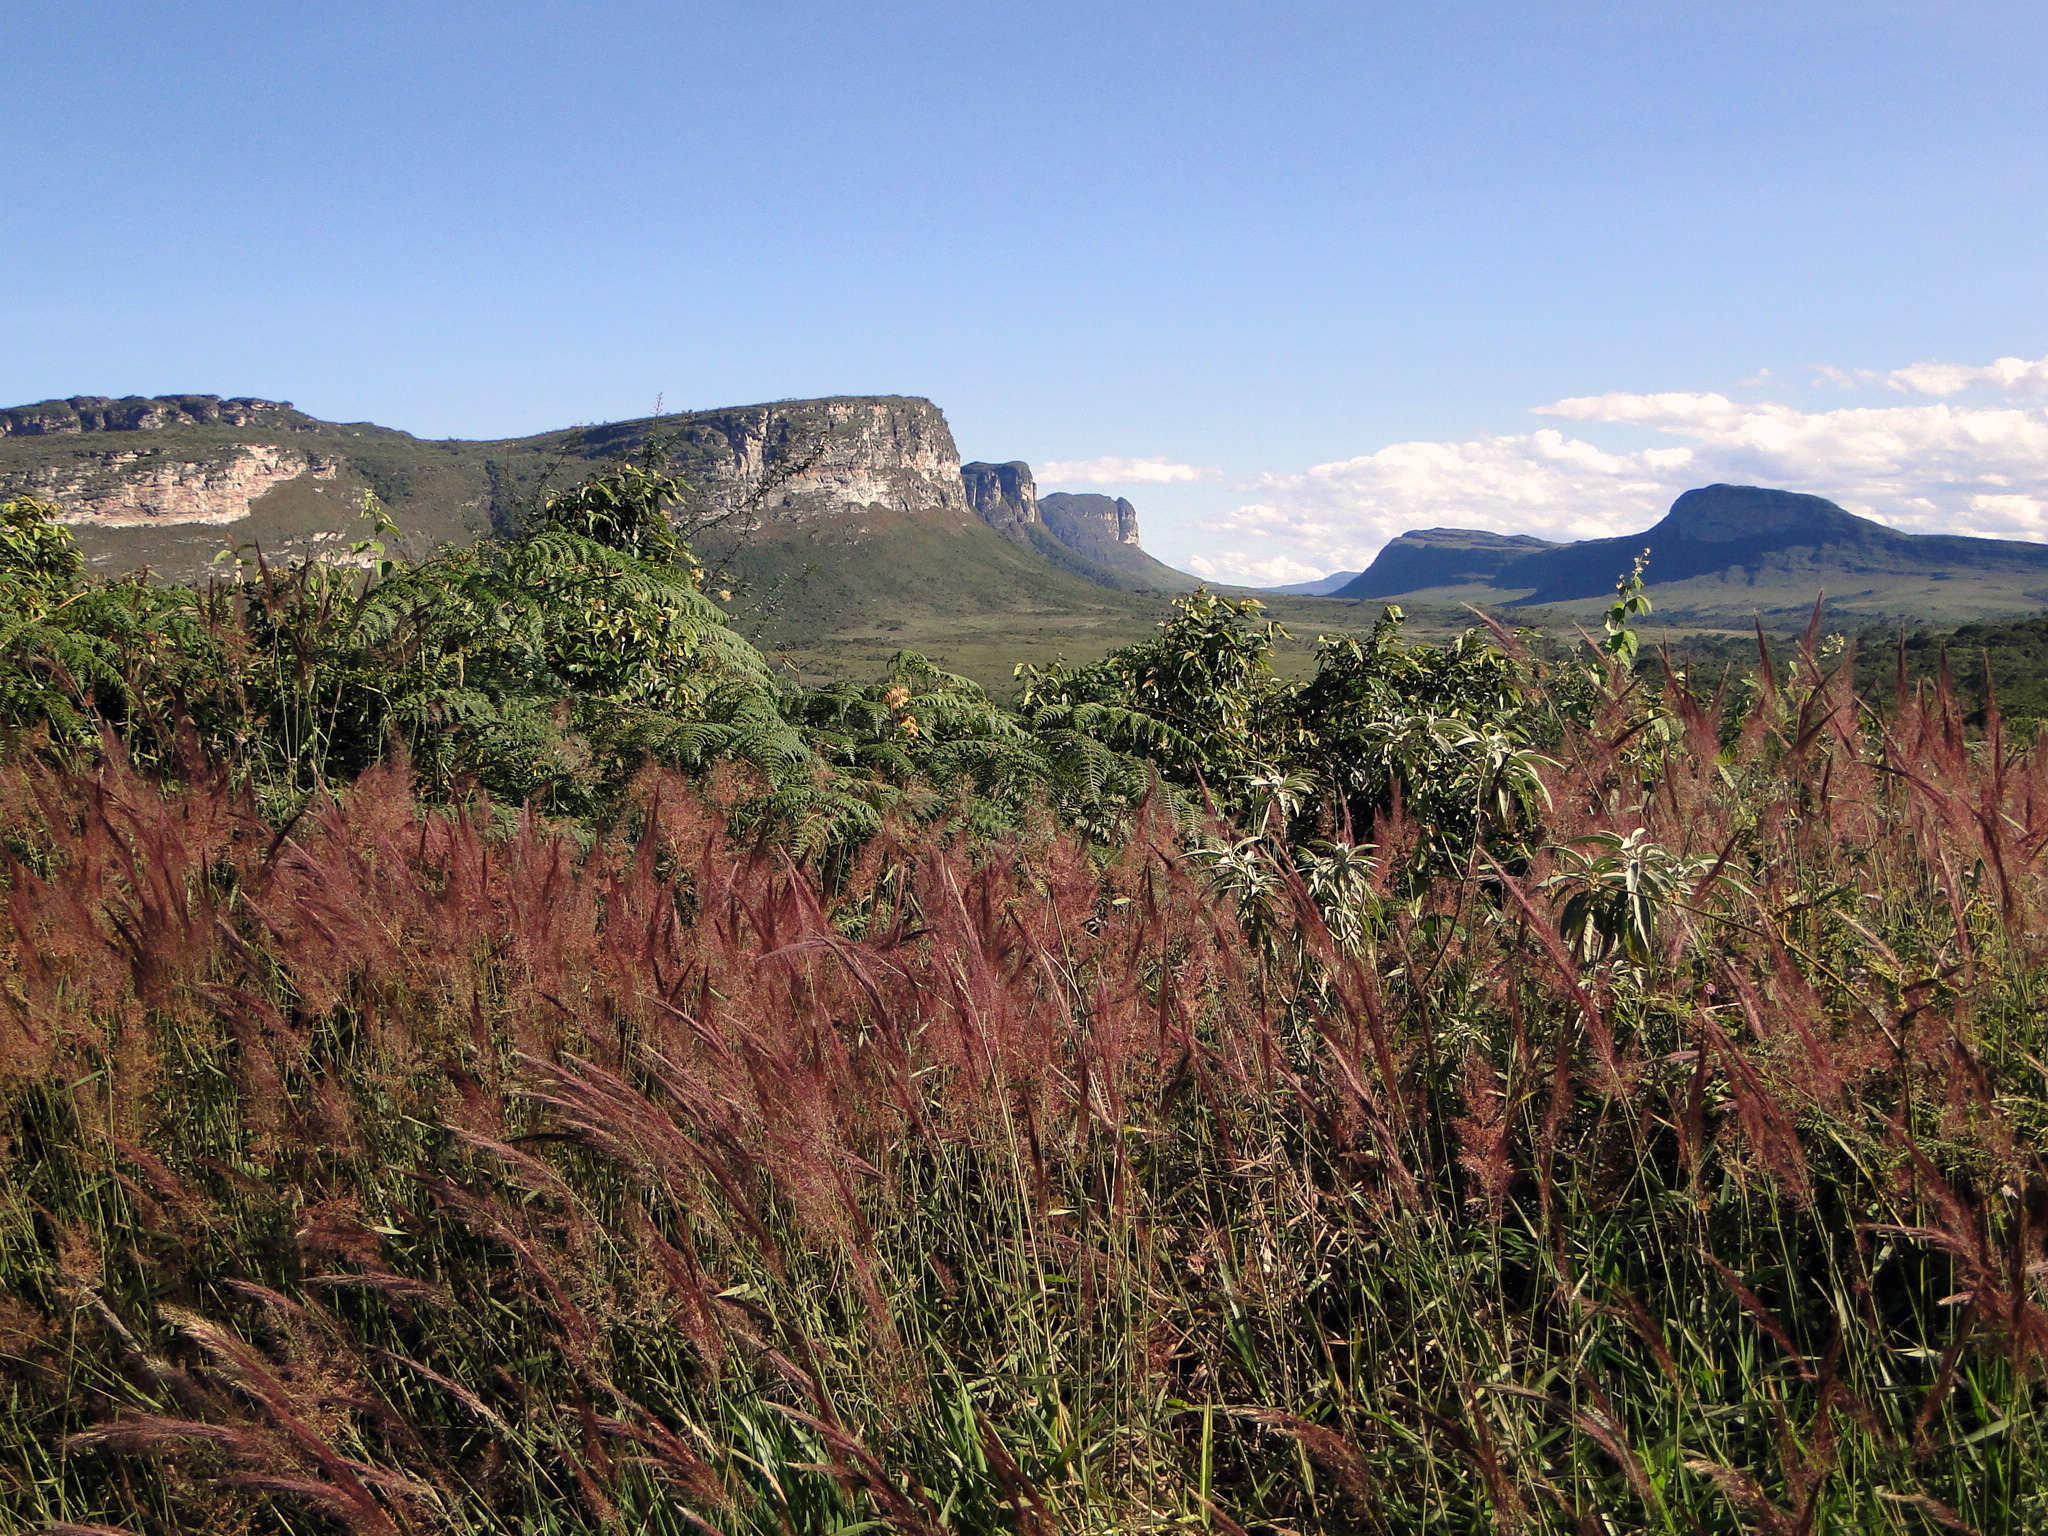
point(166, 481)
point(142, 488)
point(794, 462)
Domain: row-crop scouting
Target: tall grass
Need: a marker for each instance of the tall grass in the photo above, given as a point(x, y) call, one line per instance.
point(399, 1172)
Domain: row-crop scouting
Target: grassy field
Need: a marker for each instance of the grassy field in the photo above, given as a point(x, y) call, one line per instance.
point(480, 1054)
point(410, 1170)
point(987, 646)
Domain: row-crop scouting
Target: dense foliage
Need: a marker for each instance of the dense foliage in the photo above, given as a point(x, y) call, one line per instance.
point(544, 669)
point(481, 1054)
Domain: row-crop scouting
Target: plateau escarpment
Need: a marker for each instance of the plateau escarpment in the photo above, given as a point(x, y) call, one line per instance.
point(795, 462)
point(167, 482)
point(146, 413)
point(835, 522)
point(1439, 557)
point(1092, 536)
point(1091, 524)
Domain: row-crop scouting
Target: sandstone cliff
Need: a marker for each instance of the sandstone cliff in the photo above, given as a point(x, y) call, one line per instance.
point(870, 488)
point(141, 488)
point(1093, 525)
point(1004, 496)
point(842, 527)
point(1091, 536)
point(1103, 532)
point(166, 482)
point(792, 462)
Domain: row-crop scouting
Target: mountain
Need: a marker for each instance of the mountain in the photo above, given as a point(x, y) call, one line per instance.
point(843, 526)
point(1722, 554)
point(1322, 586)
point(1095, 537)
point(1440, 557)
point(1744, 533)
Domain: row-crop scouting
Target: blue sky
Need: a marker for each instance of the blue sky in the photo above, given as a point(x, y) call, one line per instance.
point(1223, 258)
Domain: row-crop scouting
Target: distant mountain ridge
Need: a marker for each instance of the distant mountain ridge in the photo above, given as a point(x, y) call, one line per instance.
point(1723, 552)
point(1440, 557)
point(1322, 586)
point(142, 413)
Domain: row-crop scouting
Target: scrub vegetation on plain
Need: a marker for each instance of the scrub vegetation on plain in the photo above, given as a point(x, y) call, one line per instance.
point(480, 1053)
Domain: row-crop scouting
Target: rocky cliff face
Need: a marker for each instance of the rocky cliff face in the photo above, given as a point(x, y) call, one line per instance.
point(144, 488)
point(149, 477)
point(1004, 496)
point(143, 413)
point(794, 462)
point(1091, 536)
point(1090, 524)
point(136, 471)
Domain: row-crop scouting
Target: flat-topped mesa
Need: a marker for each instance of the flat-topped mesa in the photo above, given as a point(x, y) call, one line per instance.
point(1440, 557)
point(795, 461)
point(151, 481)
point(1735, 532)
point(143, 413)
point(1004, 496)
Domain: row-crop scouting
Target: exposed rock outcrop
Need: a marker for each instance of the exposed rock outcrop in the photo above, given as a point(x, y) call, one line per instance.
point(795, 461)
point(800, 482)
point(143, 413)
point(1091, 525)
point(1102, 532)
point(1004, 496)
point(146, 488)
point(1091, 536)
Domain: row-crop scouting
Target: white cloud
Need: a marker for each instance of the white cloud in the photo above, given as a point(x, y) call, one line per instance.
point(1122, 472)
point(2008, 375)
point(1924, 468)
point(1234, 565)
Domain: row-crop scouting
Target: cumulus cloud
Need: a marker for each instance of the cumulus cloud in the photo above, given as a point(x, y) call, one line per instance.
point(1123, 472)
point(2007, 375)
point(1923, 468)
point(1235, 565)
